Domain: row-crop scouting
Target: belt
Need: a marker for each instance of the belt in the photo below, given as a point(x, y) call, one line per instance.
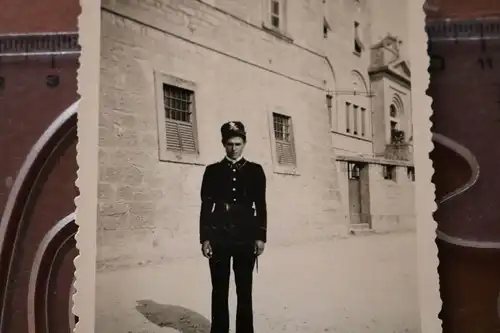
point(230, 206)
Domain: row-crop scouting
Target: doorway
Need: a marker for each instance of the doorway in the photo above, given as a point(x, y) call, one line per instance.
point(357, 179)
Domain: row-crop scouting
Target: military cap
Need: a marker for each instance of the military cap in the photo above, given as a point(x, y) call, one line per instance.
point(232, 129)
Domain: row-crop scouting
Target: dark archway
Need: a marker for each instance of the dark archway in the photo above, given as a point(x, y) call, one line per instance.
point(36, 234)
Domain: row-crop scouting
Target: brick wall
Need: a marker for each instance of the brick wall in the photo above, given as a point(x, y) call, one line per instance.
point(154, 205)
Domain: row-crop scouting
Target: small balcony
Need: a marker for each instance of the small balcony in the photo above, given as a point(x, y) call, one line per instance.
point(398, 148)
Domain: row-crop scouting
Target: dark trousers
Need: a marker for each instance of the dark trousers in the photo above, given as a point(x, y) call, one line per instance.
point(220, 268)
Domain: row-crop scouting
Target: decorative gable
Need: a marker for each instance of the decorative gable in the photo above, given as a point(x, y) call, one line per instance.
point(386, 60)
point(401, 68)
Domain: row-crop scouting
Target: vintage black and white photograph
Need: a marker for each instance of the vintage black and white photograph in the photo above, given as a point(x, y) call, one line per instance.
point(256, 167)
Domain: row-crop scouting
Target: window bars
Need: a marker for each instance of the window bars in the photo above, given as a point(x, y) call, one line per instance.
point(39, 44)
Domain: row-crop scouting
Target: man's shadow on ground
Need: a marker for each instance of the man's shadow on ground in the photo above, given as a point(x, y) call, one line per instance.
point(177, 317)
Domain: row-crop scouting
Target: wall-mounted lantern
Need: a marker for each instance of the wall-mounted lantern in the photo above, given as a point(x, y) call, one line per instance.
point(329, 97)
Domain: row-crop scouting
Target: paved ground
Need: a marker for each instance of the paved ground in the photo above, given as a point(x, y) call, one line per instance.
point(356, 285)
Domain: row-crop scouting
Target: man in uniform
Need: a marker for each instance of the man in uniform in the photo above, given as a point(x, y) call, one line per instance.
point(233, 223)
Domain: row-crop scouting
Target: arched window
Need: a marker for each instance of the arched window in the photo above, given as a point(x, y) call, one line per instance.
point(393, 115)
point(397, 134)
point(356, 107)
point(393, 111)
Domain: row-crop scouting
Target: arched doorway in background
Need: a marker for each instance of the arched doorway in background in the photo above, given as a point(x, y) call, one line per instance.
point(37, 235)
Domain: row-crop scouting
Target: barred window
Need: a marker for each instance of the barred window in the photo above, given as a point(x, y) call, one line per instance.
point(179, 108)
point(283, 135)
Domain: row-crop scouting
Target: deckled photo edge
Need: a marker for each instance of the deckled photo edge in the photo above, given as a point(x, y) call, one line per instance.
point(87, 159)
point(88, 78)
point(430, 300)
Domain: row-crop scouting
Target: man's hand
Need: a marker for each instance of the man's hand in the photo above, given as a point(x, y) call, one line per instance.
point(206, 249)
point(259, 247)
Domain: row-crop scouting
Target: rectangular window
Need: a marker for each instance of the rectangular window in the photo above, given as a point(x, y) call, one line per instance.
point(363, 121)
point(276, 14)
point(355, 119)
point(389, 172)
point(283, 135)
point(326, 27)
point(410, 171)
point(357, 40)
point(347, 117)
point(179, 109)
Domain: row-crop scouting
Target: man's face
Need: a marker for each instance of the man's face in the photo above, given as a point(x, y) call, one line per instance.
point(234, 147)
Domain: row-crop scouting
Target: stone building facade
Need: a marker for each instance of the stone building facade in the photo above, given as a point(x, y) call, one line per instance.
point(172, 71)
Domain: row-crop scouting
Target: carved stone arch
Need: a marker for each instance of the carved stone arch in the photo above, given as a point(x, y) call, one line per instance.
point(37, 251)
point(331, 88)
point(399, 105)
point(358, 82)
point(331, 83)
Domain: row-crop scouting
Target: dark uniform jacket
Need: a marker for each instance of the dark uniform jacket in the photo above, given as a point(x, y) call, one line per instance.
point(233, 203)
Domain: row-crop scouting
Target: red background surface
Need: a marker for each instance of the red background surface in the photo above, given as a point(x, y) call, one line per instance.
point(465, 108)
point(28, 106)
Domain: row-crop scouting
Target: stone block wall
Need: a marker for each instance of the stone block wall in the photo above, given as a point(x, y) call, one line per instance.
point(148, 210)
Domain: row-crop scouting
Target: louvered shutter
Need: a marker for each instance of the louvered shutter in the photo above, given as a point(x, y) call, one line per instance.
point(284, 152)
point(180, 136)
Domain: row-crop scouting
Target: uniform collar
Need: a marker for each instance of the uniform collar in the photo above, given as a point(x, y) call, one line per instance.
point(234, 163)
point(239, 159)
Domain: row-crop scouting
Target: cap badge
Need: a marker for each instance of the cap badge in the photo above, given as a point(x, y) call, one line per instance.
point(233, 126)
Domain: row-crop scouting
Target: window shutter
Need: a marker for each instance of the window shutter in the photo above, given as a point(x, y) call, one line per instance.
point(180, 136)
point(172, 136)
point(186, 134)
point(284, 152)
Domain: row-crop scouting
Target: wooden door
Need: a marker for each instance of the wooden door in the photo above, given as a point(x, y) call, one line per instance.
point(354, 183)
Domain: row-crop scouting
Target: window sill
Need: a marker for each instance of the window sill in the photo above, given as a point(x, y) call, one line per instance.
point(181, 158)
point(286, 170)
point(277, 33)
point(350, 135)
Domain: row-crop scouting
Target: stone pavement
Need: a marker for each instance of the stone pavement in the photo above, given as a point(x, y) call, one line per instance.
point(354, 285)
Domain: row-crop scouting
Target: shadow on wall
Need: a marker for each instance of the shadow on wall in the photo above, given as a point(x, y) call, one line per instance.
point(177, 317)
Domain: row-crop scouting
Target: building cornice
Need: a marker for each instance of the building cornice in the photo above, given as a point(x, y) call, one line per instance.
point(39, 44)
point(454, 30)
